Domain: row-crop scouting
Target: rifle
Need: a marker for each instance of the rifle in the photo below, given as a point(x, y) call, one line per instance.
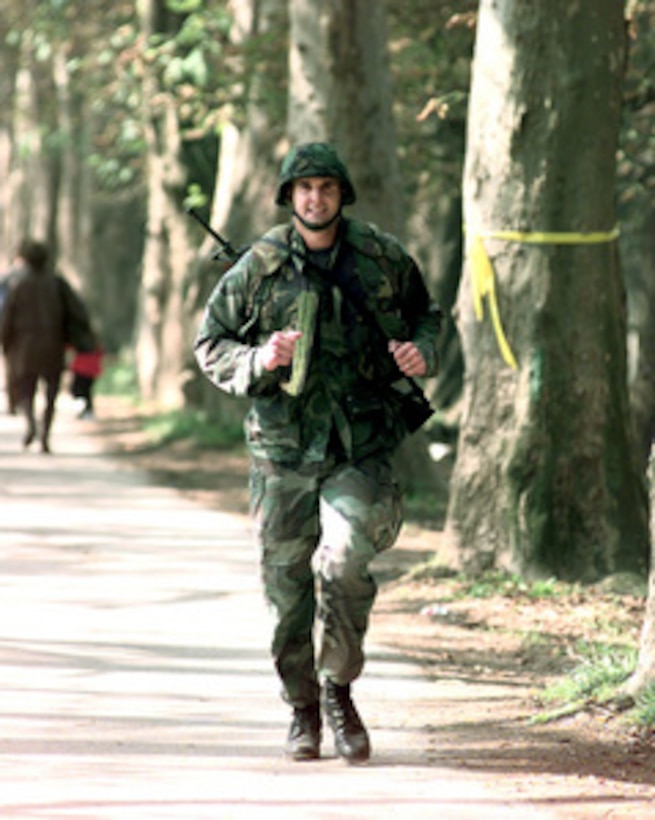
point(226, 250)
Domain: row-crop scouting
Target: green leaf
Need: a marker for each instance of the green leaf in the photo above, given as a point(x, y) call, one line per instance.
point(184, 6)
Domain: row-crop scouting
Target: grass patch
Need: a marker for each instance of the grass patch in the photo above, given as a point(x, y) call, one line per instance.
point(509, 585)
point(599, 672)
point(118, 379)
point(600, 669)
point(644, 710)
point(495, 583)
point(433, 569)
point(193, 425)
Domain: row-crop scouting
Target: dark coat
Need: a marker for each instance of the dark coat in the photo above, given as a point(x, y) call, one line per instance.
point(33, 323)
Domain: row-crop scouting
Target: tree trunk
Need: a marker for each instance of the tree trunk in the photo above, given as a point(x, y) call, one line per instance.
point(637, 212)
point(73, 207)
point(644, 674)
point(162, 335)
point(9, 60)
point(545, 481)
point(244, 202)
point(340, 91)
point(30, 187)
point(437, 228)
point(243, 205)
point(640, 239)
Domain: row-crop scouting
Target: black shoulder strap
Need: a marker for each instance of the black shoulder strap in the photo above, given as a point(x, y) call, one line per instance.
point(419, 410)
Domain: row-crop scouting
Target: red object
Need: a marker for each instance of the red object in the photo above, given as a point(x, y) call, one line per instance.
point(87, 364)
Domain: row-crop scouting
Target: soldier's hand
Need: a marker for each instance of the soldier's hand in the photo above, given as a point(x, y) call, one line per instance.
point(408, 358)
point(278, 350)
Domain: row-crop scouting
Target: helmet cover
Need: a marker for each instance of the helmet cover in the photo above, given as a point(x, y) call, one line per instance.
point(313, 159)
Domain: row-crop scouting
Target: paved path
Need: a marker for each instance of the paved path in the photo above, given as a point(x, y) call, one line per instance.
point(134, 675)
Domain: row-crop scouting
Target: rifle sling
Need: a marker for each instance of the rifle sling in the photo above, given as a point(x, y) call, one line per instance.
point(352, 290)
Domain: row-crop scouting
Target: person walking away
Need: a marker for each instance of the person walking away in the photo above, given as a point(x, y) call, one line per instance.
point(86, 366)
point(10, 387)
point(34, 330)
point(289, 325)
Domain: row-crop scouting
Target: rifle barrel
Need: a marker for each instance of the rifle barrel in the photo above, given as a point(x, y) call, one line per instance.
point(223, 242)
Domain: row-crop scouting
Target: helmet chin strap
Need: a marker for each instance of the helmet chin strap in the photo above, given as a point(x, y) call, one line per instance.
point(311, 226)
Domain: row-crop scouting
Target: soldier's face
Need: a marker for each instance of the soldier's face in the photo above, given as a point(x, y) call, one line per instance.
point(316, 199)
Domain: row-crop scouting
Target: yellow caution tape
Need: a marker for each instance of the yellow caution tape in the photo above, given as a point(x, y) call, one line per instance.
point(553, 237)
point(482, 272)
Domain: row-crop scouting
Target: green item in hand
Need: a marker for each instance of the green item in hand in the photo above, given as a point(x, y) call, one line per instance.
point(306, 323)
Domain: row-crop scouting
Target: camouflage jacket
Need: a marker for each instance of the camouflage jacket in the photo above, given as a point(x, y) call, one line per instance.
point(344, 379)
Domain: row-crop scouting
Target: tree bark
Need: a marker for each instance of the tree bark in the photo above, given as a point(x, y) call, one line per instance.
point(30, 187)
point(644, 674)
point(9, 63)
point(162, 333)
point(243, 204)
point(637, 211)
point(244, 200)
point(340, 91)
point(74, 213)
point(641, 331)
point(545, 481)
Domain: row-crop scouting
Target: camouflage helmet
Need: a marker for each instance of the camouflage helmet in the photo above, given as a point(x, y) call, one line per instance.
point(313, 159)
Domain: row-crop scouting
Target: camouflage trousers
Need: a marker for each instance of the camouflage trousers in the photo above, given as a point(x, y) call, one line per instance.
point(319, 527)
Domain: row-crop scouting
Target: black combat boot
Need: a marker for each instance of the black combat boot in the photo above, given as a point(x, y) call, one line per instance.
point(350, 735)
point(304, 739)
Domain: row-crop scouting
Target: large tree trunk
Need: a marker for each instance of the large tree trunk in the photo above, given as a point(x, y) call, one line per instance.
point(340, 91)
point(637, 210)
point(437, 228)
point(644, 674)
point(162, 336)
point(30, 186)
point(641, 330)
point(73, 207)
point(545, 480)
point(244, 201)
point(9, 61)
point(74, 211)
point(243, 205)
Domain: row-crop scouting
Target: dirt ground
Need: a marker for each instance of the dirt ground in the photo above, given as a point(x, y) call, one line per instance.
point(489, 657)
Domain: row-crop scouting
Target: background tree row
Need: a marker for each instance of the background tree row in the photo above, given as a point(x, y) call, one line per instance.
point(120, 113)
